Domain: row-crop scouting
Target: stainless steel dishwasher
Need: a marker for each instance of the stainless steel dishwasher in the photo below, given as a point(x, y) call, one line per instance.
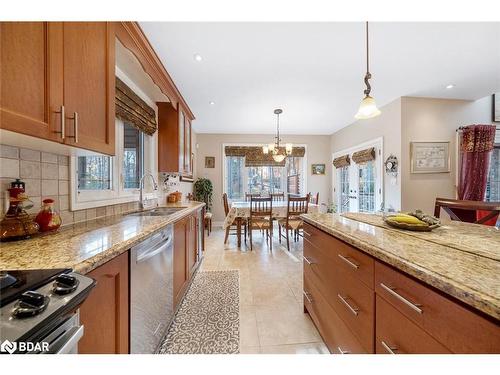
point(151, 290)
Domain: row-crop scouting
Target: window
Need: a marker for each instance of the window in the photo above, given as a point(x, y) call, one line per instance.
point(366, 187)
point(493, 183)
point(344, 189)
point(94, 173)
point(263, 179)
point(133, 156)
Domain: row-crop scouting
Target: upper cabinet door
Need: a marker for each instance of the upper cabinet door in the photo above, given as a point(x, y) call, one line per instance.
point(89, 85)
point(188, 159)
point(31, 78)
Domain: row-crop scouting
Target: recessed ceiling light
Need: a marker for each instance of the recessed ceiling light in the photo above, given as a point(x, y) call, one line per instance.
point(450, 86)
point(197, 57)
point(211, 103)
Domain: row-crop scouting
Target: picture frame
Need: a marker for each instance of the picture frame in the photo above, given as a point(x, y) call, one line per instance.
point(318, 169)
point(430, 157)
point(209, 161)
point(496, 107)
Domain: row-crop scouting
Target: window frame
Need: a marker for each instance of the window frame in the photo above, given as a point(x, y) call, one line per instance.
point(305, 165)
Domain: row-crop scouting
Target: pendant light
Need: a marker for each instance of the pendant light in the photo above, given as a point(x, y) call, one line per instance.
point(368, 107)
point(274, 148)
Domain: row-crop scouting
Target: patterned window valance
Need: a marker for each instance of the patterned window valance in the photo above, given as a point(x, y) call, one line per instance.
point(341, 161)
point(132, 109)
point(364, 155)
point(254, 157)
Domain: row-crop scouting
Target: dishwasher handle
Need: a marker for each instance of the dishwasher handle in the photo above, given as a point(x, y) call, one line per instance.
point(153, 251)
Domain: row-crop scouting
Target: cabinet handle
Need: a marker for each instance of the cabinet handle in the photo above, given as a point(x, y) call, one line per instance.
point(75, 127)
point(348, 261)
point(354, 310)
point(307, 296)
point(391, 291)
point(390, 350)
point(343, 351)
point(306, 233)
point(308, 261)
point(63, 122)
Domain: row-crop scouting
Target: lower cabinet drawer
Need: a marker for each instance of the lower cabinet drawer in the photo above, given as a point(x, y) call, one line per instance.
point(396, 334)
point(337, 336)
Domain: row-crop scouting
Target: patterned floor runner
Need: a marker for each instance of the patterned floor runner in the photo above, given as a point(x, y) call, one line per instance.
point(208, 320)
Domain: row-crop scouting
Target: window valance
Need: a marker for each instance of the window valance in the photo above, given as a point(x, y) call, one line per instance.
point(364, 155)
point(131, 108)
point(341, 161)
point(255, 157)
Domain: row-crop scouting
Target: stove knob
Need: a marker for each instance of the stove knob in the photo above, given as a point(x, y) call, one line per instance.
point(65, 284)
point(32, 298)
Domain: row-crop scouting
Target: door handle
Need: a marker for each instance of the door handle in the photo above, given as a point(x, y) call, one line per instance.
point(352, 309)
point(63, 122)
point(391, 290)
point(388, 348)
point(75, 127)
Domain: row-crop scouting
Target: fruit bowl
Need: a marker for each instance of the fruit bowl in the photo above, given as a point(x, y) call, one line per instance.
point(415, 221)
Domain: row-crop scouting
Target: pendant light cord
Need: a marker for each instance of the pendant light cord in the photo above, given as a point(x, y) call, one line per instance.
point(278, 131)
point(368, 75)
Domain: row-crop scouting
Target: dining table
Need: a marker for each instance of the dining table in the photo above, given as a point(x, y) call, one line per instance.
point(241, 210)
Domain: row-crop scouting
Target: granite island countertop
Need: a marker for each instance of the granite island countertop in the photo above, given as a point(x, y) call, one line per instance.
point(86, 246)
point(473, 278)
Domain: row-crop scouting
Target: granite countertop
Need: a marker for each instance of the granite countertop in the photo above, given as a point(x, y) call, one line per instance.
point(471, 277)
point(88, 245)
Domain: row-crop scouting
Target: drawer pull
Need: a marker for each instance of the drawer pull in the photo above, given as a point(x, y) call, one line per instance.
point(342, 351)
point(306, 233)
point(390, 350)
point(354, 310)
point(308, 261)
point(307, 296)
point(348, 261)
point(408, 303)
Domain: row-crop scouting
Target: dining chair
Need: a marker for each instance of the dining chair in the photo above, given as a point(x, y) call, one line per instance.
point(249, 196)
point(261, 218)
point(292, 222)
point(233, 228)
point(278, 197)
point(314, 198)
point(475, 212)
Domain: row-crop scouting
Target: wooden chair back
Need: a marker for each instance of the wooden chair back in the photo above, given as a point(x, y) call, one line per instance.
point(226, 204)
point(297, 206)
point(261, 207)
point(249, 196)
point(278, 197)
point(314, 198)
point(467, 211)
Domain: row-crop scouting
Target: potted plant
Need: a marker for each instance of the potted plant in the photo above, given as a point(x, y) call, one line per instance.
point(202, 191)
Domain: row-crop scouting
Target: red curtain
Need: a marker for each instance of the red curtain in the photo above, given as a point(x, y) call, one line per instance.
point(476, 145)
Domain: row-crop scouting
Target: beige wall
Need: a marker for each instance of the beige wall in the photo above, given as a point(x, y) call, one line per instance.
point(317, 152)
point(387, 126)
point(429, 120)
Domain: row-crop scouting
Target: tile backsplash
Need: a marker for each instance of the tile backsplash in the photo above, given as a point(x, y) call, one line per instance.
point(47, 176)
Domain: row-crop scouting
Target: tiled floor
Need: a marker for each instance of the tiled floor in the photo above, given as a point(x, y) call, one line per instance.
point(272, 318)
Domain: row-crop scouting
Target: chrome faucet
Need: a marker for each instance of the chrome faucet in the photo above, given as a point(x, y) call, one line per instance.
point(141, 188)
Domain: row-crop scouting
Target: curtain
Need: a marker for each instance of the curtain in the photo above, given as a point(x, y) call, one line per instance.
point(364, 155)
point(475, 147)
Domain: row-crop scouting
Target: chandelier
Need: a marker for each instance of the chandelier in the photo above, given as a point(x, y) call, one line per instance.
point(278, 153)
point(368, 107)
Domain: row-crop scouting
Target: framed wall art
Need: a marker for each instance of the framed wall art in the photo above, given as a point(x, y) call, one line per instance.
point(318, 169)
point(209, 161)
point(429, 157)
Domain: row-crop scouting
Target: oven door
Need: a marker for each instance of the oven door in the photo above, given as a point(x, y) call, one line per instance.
point(64, 339)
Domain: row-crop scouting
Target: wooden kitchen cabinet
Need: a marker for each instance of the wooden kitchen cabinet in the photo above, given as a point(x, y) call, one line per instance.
point(50, 66)
point(105, 313)
point(192, 247)
point(174, 140)
point(181, 274)
point(31, 78)
point(89, 85)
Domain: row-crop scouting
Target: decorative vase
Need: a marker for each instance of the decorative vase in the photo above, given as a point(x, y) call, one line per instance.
point(48, 218)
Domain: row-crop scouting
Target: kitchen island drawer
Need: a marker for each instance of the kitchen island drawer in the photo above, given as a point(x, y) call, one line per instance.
point(337, 336)
point(455, 326)
point(396, 334)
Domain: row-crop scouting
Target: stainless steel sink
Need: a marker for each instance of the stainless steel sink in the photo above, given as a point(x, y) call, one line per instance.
point(159, 211)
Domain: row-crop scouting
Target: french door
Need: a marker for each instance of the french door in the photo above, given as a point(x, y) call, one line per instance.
point(358, 187)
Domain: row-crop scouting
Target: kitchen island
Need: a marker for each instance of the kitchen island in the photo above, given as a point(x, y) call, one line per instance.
point(370, 288)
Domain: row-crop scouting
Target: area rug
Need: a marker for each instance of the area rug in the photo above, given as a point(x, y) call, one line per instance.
point(208, 320)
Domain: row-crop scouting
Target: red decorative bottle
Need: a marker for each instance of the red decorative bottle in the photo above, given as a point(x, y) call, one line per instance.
point(48, 219)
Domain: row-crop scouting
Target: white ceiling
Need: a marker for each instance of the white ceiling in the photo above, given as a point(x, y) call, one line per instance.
point(314, 71)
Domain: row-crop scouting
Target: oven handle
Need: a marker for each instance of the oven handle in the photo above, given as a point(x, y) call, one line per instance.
point(67, 341)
